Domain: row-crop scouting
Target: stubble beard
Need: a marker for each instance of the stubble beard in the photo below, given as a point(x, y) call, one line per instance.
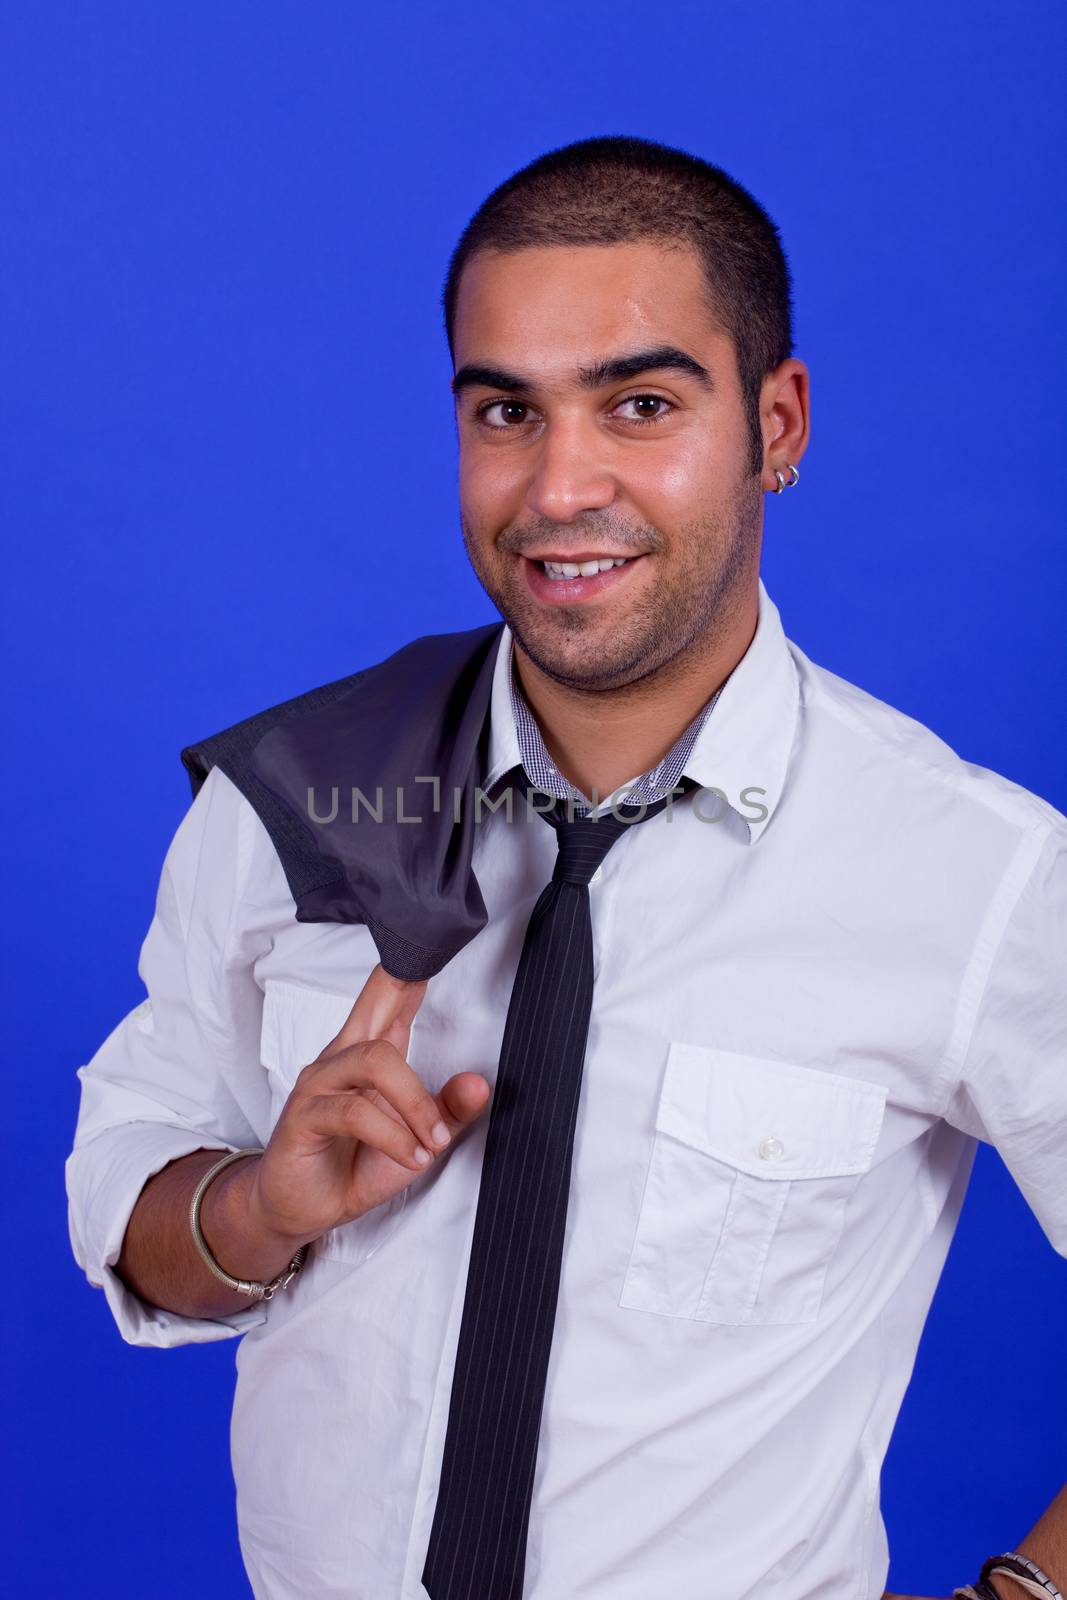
point(682, 615)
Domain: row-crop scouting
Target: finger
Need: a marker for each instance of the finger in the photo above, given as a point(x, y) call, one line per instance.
point(354, 1115)
point(375, 1064)
point(463, 1099)
point(385, 1009)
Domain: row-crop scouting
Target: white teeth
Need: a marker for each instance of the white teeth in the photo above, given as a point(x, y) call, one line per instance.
point(584, 569)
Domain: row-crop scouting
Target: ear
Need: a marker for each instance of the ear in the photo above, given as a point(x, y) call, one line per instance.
point(784, 419)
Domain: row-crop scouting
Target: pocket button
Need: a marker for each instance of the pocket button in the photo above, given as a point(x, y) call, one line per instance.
point(770, 1149)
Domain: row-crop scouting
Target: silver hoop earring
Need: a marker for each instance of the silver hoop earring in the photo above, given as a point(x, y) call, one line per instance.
point(781, 481)
point(795, 479)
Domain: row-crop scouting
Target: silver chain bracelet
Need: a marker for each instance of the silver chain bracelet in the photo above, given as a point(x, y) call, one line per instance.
point(249, 1286)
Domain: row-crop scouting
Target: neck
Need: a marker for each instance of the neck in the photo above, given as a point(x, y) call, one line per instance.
point(601, 738)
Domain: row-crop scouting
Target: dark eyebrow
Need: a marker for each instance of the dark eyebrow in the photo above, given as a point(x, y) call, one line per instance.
point(618, 369)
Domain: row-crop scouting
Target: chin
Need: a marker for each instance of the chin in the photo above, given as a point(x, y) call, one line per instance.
point(582, 658)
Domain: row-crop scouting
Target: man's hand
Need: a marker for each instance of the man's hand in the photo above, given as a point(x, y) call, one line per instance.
point(347, 1136)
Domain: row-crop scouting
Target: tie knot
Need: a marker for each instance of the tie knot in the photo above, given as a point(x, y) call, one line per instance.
point(585, 841)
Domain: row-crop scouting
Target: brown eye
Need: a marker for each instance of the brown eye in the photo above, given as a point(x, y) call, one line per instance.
point(645, 408)
point(504, 413)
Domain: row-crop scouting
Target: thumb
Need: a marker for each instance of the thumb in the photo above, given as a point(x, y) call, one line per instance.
point(463, 1099)
point(384, 1009)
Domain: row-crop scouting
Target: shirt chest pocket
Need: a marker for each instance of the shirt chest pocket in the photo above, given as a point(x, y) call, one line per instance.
point(298, 1023)
point(753, 1163)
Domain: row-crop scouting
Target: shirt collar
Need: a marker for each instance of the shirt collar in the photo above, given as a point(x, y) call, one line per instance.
point(504, 752)
point(744, 747)
point(742, 750)
point(640, 788)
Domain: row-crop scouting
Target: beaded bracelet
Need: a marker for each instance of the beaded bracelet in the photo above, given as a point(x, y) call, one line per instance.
point(1026, 1574)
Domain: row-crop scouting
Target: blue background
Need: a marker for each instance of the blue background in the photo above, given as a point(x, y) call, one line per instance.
point(229, 475)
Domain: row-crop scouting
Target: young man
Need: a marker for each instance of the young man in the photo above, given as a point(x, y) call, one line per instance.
point(624, 1214)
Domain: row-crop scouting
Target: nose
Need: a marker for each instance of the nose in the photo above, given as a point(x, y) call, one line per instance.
point(570, 476)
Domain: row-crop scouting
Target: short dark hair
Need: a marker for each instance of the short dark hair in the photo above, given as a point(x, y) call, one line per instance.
point(614, 189)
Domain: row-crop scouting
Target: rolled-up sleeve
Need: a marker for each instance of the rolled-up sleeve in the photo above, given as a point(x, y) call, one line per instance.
point(1011, 1090)
point(182, 1071)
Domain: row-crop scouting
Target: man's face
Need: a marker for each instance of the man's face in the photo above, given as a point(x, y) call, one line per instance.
point(600, 420)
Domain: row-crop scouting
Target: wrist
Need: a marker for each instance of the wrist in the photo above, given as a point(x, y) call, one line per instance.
point(1016, 1573)
point(234, 1230)
point(263, 1229)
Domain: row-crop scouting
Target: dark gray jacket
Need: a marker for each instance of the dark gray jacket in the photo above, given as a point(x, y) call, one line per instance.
point(423, 713)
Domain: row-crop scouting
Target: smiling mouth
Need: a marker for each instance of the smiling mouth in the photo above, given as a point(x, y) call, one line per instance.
point(582, 569)
point(587, 577)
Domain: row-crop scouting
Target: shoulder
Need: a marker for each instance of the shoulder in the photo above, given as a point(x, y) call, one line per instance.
point(276, 757)
point(231, 747)
point(413, 669)
point(883, 746)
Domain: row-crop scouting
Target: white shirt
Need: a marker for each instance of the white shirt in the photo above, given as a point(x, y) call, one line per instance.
point(805, 1014)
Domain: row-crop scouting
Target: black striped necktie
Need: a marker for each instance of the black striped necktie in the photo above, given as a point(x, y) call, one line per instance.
point(477, 1548)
